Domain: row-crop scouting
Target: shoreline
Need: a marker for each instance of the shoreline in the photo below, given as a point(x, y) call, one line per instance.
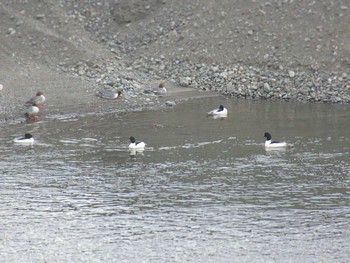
point(82, 100)
point(83, 104)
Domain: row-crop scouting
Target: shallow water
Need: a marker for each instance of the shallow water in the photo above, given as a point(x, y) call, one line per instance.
point(204, 190)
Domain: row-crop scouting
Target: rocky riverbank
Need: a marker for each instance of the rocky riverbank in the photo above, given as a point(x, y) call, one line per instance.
point(254, 82)
point(288, 50)
point(275, 50)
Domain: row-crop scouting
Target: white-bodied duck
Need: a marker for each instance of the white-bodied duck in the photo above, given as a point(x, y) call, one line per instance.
point(219, 112)
point(38, 99)
point(136, 145)
point(273, 144)
point(27, 139)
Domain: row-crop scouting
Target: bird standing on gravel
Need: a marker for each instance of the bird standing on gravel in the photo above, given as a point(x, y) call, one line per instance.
point(109, 94)
point(160, 90)
point(38, 100)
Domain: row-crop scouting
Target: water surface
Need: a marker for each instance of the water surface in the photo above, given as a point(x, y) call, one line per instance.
point(204, 190)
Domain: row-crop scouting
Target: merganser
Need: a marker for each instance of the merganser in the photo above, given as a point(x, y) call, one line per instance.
point(273, 144)
point(38, 99)
point(109, 94)
point(219, 112)
point(160, 90)
point(31, 113)
point(26, 139)
point(136, 145)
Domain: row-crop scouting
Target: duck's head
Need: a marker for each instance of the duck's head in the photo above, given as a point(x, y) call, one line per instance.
point(221, 107)
point(28, 136)
point(162, 85)
point(267, 136)
point(132, 139)
point(120, 92)
point(39, 93)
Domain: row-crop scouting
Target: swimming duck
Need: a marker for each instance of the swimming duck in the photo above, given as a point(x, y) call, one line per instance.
point(38, 99)
point(273, 144)
point(160, 90)
point(219, 112)
point(136, 145)
point(26, 139)
point(109, 94)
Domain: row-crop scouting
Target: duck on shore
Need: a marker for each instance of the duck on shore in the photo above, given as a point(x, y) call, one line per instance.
point(38, 100)
point(109, 94)
point(32, 112)
point(160, 90)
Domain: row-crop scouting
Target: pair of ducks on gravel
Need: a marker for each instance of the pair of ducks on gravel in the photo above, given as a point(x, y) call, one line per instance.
point(112, 94)
point(34, 105)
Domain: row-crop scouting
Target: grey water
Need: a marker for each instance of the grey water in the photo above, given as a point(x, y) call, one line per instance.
point(204, 189)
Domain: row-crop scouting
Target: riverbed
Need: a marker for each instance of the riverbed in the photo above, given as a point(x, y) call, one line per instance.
point(204, 189)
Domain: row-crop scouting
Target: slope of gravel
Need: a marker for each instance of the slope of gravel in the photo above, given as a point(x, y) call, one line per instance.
point(277, 49)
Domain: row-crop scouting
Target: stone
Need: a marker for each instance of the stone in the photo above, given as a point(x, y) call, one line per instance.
point(170, 103)
point(267, 87)
point(184, 81)
point(291, 74)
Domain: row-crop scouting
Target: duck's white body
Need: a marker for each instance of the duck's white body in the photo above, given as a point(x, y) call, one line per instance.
point(160, 91)
point(135, 145)
point(156, 91)
point(27, 139)
point(219, 112)
point(273, 144)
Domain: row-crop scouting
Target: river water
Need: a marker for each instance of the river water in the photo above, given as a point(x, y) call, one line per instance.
point(204, 190)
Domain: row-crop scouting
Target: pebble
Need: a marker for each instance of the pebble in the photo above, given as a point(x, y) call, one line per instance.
point(291, 74)
point(184, 81)
point(170, 103)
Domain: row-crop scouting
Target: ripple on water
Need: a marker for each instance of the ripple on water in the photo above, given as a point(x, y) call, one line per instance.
point(202, 194)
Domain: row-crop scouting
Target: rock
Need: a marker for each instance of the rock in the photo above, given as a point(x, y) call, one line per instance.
point(11, 31)
point(40, 16)
point(291, 74)
point(81, 72)
point(170, 103)
point(267, 87)
point(224, 74)
point(184, 81)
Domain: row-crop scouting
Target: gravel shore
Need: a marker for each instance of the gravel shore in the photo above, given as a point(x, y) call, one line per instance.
point(276, 50)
